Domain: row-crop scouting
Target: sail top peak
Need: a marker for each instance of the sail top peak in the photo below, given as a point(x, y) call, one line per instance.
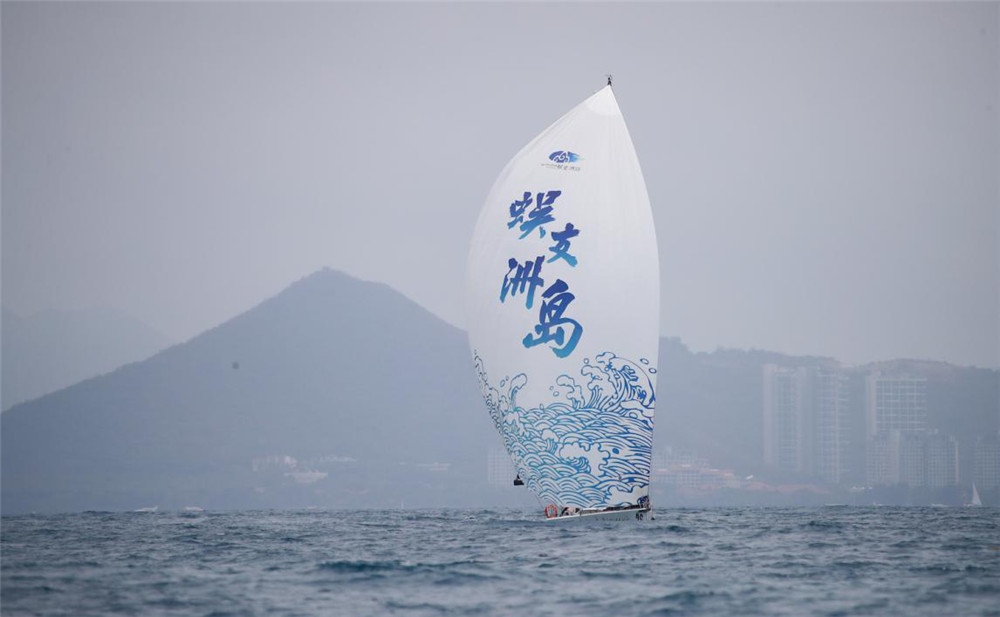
point(603, 102)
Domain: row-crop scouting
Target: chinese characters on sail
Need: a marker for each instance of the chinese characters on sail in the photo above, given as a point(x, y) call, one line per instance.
point(527, 275)
point(539, 215)
point(551, 321)
point(561, 247)
point(562, 333)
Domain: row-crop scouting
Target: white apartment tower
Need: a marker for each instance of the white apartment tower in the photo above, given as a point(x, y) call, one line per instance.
point(805, 413)
point(940, 460)
point(896, 403)
point(831, 400)
point(785, 418)
point(896, 413)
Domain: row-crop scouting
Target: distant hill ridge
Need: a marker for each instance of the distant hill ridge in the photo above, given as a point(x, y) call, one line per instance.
point(335, 392)
point(55, 349)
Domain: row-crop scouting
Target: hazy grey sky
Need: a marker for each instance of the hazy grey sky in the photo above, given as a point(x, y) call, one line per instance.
point(824, 177)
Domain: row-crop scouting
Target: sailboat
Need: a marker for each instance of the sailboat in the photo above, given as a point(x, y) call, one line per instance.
point(976, 501)
point(563, 303)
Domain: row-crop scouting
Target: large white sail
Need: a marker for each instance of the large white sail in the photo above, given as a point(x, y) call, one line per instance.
point(563, 311)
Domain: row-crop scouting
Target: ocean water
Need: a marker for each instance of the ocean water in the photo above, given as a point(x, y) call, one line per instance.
point(715, 561)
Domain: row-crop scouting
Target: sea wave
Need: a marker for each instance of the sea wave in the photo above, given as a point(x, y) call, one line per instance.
point(691, 561)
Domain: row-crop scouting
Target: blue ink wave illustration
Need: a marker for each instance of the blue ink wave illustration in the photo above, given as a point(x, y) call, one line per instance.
point(591, 446)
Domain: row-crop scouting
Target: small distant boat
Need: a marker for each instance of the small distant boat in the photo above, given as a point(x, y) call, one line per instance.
point(564, 313)
point(194, 509)
point(975, 497)
point(147, 509)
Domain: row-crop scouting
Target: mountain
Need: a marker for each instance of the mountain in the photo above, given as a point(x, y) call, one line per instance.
point(335, 392)
point(55, 349)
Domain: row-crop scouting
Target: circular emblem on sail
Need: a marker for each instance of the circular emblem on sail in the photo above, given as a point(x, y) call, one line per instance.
point(564, 156)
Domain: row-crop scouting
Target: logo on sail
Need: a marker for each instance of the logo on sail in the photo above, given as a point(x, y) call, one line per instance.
point(563, 159)
point(564, 156)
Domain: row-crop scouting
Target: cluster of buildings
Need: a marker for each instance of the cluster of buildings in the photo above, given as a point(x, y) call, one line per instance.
point(841, 426)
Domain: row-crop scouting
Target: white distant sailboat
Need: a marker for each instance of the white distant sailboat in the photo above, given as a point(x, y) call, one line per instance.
point(564, 304)
point(975, 496)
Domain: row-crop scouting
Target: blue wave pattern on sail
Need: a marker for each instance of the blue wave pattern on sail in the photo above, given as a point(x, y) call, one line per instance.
point(591, 446)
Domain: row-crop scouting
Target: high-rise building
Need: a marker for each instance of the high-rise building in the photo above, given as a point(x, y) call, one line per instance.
point(895, 420)
point(805, 420)
point(882, 464)
point(986, 473)
point(940, 459)
point(896, 403)
point(912, 460)
point(831, 431)
point(785, 418)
